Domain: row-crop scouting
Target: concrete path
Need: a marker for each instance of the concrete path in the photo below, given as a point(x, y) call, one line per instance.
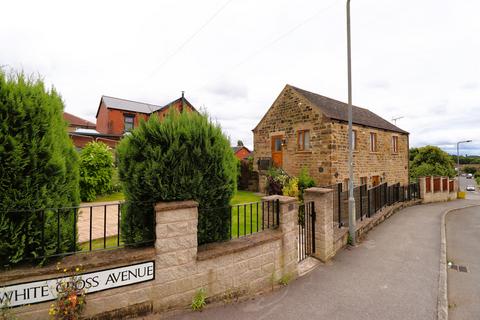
point(463, 249)
point(99, 211)
point(393, 274)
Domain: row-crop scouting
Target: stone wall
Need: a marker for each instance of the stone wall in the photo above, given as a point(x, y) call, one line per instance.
point(440, 189)
point(389, 166)
point(234, 268)
point(289, 113)
point(327, 158)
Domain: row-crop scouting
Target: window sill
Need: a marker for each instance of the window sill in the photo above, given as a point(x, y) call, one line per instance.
point(303, 152)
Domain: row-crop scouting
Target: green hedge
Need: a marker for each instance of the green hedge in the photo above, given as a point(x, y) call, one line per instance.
point(38, 169)
point(183, 157)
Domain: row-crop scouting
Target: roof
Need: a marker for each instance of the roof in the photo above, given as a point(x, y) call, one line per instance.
point(338, 110)
point(129, 105)
point(75, 121)
point(238, 148)
point(135, 106)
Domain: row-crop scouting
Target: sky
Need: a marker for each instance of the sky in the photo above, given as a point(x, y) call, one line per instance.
point(412, 59)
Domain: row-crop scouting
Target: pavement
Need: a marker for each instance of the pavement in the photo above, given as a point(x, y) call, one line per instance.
point(392, 274)
point(463, 238)
point(100, 211)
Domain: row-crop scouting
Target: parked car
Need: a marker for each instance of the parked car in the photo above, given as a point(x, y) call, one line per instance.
point(469, 176)
point(470, 188)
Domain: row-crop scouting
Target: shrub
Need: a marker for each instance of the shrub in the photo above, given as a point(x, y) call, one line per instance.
point(96, 170)
point(276, 180)
point(39, 169)
point(184, 157)
point(199, 300)
point(305, 181)
point(291, 188)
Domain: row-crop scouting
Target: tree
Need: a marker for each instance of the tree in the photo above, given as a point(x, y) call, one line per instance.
point(183, 157)
point(96, 170)
point(431, 160)
point(38, 170)
point(239, 143)
point(471, 170)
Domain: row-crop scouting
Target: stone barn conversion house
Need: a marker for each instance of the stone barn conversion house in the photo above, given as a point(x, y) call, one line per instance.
point(305, 129)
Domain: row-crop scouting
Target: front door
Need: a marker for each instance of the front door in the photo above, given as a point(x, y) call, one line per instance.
point(277, 156)
point(375, 181)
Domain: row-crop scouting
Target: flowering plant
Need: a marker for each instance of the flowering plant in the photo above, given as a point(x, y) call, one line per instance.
point(70, 300)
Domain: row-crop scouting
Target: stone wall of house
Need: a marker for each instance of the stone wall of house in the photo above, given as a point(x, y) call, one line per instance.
point(327, 158)
point(389, 166)
point(289, 113)
point(225, 270)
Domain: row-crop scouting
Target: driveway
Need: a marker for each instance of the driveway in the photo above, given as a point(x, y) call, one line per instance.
point(392, 274)
point(463, 239)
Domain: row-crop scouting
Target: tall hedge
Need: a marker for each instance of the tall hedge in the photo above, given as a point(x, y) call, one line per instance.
point(96, 170)
point(183, 157)
point(38, 170)
point(431, 160)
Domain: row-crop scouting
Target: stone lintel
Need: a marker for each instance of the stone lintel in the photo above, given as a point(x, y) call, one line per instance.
point(318, 190)
point(175, 205)
point(282, 199)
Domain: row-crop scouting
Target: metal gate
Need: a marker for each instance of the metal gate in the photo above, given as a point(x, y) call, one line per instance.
point(306, 230)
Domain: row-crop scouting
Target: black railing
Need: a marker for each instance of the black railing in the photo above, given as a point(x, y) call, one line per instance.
point(370, 201)
point(65, 231)
point(306, 230)
point(250, 218)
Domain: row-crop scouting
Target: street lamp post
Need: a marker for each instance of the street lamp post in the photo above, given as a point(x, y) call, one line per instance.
point(458, 162)
point(351, 199)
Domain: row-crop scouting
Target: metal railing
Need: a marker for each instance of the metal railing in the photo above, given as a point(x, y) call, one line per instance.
point(250, 218)
point(370, 201)
point(68, 230)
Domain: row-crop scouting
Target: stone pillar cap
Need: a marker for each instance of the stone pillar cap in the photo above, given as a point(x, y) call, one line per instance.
point(318, 190)
point(175, 205)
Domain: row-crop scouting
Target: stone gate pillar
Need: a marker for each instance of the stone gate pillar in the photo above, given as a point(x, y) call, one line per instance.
point(323, 201)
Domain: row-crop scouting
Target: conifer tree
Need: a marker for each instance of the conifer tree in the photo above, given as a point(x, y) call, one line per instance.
point(38, 170)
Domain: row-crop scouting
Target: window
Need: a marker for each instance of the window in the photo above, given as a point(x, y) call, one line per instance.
point(395, 144)
point(373, 142)
point(303, 141)
point(128, 120)
point(354, 140)
point(277, 143)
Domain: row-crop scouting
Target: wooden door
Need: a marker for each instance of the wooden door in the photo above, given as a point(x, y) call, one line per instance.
point(277, 154)
point(375, 181)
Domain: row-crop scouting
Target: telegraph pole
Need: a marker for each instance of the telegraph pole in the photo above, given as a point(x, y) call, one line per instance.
point(351, 199)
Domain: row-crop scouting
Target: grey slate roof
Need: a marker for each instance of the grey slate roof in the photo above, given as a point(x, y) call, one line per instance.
point(338, 110)
point(128, 105)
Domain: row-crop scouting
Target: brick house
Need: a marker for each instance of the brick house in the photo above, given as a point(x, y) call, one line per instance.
point(116, 116)
point(241, 152)
point(305, 129)
point(82, 131)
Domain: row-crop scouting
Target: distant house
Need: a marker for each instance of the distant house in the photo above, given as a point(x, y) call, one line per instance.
point(304, 129)
point(116, 116)
point(82, 131)
point(241, 152)
point(75, 122)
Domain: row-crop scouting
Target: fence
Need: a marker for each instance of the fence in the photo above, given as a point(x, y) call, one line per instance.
point(68, 230)
point(249, 218)
point(369, 201)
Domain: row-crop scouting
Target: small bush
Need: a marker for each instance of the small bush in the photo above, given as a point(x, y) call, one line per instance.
point(305, 181)
point(96, 170)
point(291, 188)
point(276, 180)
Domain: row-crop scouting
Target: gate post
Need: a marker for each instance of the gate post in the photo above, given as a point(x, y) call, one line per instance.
point(288, 225)
point(324, 242)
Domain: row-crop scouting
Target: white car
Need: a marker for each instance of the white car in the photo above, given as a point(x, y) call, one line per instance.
point(470, 188)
